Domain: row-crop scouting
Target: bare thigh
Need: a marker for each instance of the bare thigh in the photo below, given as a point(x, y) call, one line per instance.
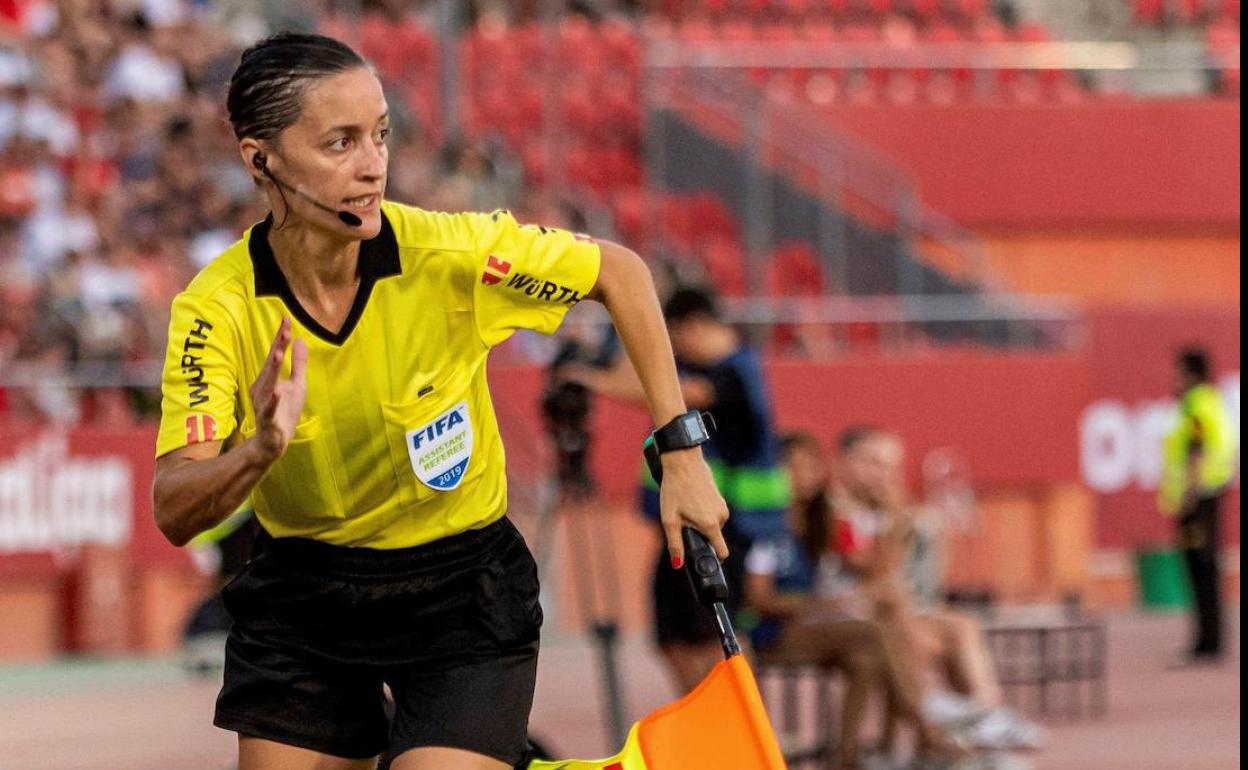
point(260, 754)
point(436, 758)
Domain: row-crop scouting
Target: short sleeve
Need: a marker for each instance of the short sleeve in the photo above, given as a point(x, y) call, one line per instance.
point(735, 414)
point(199, 382)
point(528, 277)
point(763, 558)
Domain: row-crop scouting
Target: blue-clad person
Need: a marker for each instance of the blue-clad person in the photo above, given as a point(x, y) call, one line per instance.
point(722, 375)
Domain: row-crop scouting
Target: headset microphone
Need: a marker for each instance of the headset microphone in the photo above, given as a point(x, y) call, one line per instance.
point(346, 217)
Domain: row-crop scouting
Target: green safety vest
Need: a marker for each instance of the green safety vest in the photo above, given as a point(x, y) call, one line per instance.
point(1202, 420)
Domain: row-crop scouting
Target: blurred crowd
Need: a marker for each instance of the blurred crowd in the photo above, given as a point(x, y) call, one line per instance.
point(119, 179)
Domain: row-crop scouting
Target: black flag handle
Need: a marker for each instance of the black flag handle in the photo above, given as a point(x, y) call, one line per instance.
point(706, 574)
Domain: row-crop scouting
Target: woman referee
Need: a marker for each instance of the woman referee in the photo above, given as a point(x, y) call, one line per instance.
point(338, 351)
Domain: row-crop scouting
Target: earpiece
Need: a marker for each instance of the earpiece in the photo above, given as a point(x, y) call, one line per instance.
point(261, 163)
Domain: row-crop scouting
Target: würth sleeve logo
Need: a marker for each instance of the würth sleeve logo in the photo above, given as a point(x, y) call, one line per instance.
point(495, 271)
point(192, 363)
point(544, 291)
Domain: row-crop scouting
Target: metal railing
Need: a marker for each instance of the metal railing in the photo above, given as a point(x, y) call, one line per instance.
point(794, 144)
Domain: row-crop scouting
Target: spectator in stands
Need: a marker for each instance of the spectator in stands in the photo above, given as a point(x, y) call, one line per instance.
point(873, 541)
point(111, 133)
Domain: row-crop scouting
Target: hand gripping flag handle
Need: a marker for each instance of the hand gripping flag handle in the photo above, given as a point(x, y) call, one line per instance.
point(705, 572)
point(723, 723)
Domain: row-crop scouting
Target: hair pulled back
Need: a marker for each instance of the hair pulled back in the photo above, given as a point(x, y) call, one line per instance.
point(266, 90)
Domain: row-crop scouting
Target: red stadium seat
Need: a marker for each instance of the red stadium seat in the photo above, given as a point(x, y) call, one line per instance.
point(1149, 12)
point(1033, 32)
point(620, 46)
point(1189, 10)
point(1231, 82)
point(778, 33)
point(794, 271)
point(973, 8)
point(712, 218)
point(782, 88)
point(819, 31)
point(578, 45)
point(620, 102)
point(535, 160)
point(578, 105)
point(942, 32)
point(696, 30)
point(823, 88)
point(944, 88)
point(628, 205)
point(899, 31)
point(1024, 87)
point(929, 10)
point(988, 29)
point(1068, 90)
point(1222, 35)
point(724, 261)
point(859, 33)
point(902, 88)
point(861, 89)
point(738, 31)
point(800, 8)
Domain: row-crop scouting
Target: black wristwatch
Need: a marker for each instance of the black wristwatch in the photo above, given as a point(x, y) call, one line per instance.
point(685, 432)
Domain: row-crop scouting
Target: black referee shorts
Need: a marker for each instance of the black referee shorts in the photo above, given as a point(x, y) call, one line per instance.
point(678, 617)
point(452, 627)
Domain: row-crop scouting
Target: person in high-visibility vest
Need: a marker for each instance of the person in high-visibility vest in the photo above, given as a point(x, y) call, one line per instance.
point(1201, 460)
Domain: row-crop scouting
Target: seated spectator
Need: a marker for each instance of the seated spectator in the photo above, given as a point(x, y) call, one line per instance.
point(798, 626)
point(874, 535)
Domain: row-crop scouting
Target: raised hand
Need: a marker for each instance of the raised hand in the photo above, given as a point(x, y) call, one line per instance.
point(278, 401)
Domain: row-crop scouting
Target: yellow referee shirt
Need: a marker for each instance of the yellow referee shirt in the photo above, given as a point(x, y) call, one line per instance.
point(398, 444)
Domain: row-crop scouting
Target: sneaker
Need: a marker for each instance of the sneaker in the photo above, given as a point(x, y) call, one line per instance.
point(950, 710)
point(1003, 730)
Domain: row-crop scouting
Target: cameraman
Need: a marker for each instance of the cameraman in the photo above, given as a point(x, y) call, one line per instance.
point(720, 374)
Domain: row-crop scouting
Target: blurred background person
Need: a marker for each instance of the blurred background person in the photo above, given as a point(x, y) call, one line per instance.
point(796, 625)
point(723, 376)
point(874, 537)
point(1200, 461)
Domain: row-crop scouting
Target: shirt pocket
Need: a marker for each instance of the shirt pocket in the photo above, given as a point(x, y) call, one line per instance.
point(434, 446)
point(300, 486)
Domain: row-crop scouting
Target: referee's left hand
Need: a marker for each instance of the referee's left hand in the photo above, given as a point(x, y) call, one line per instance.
point(688, 498)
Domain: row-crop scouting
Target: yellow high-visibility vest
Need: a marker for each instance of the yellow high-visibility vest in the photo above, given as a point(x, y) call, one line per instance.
point(1203, 426)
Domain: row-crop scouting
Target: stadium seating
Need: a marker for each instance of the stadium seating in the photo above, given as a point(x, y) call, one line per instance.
point(1160, 12)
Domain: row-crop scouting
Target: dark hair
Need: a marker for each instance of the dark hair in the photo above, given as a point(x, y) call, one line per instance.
point(266, 90)
point(1194, 361)
point(815, 511)
point(688, 302)
point(852, 436)
point(798, 439)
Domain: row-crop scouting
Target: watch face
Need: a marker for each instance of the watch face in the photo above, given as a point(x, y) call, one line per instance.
point(692, 425)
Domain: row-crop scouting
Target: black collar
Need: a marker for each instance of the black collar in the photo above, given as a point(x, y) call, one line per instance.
point(379, 258)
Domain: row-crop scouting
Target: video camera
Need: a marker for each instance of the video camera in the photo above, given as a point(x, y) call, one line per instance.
point(567, 407)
